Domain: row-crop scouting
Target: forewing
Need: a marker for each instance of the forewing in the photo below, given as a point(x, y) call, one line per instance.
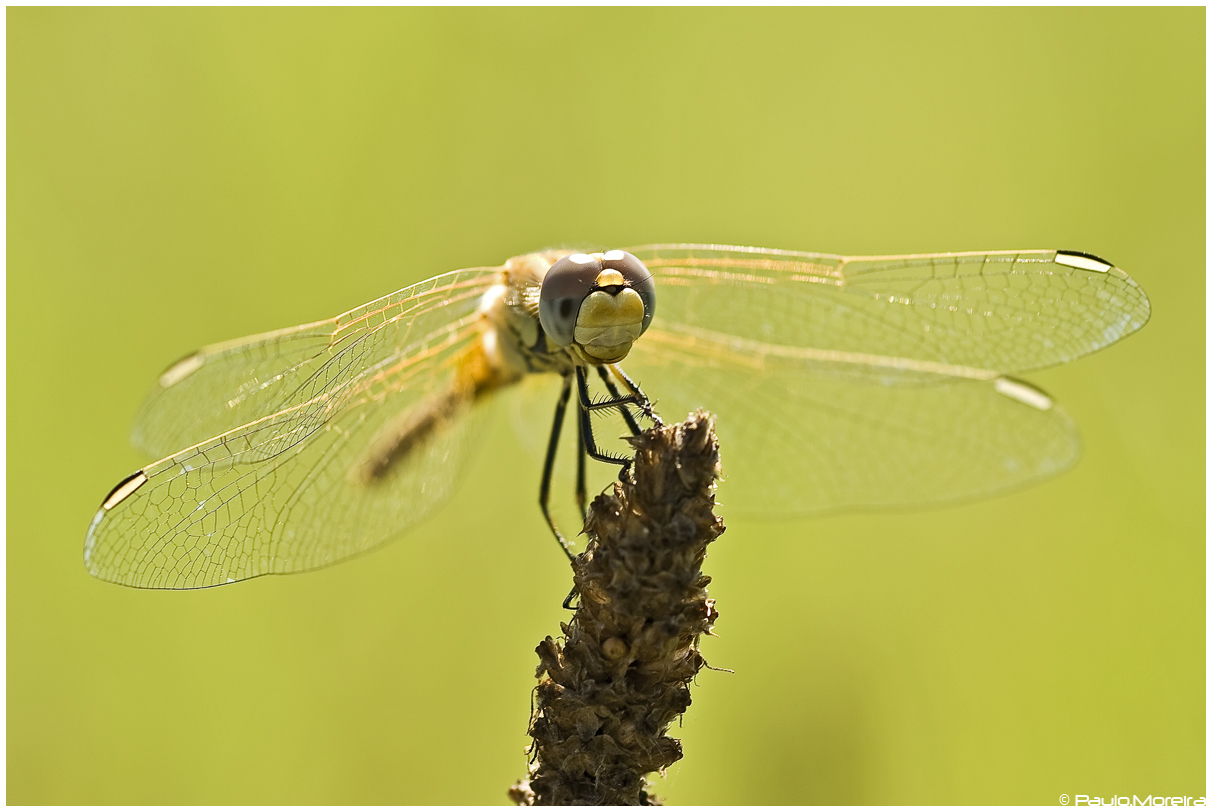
point(289, 492)
point(227, 385)
point(914, 317)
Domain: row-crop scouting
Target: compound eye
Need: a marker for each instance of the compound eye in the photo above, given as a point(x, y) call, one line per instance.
point(565, 286)
point(638, 278)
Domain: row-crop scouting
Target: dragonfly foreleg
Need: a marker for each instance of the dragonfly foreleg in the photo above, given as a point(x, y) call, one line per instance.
point(645, 405)
point(623, 410)
point(588, 404)
point(585, 408)
point(549, 465)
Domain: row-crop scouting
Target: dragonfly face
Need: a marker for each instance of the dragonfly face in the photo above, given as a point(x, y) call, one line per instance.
point(838, 383)
point(597, 304)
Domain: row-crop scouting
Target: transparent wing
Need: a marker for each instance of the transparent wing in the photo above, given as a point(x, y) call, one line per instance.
point(920, 317)
point(223, 386)
point(289, 491)
point(799, 441)
point(875, 382)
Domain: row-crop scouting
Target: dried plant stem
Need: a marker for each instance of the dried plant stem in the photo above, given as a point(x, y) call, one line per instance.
point(608, 694)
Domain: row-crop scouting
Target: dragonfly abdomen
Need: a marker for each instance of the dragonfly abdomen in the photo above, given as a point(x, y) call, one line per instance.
point(476, 375)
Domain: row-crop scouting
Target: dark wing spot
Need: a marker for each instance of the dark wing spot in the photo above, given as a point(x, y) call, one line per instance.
point(124, 489)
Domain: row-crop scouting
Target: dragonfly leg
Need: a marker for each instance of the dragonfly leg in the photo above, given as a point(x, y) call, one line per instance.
point(549, 465)
point(645, 404)
point(585, 407)
point(590, 405)
point(614, 393)
point(582, 491)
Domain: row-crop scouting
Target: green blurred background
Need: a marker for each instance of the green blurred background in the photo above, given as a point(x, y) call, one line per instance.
point(178, 177)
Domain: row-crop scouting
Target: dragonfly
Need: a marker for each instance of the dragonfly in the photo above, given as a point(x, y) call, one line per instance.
point(838, 383)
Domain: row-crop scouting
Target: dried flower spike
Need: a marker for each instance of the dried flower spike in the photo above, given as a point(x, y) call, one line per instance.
point(608, 694)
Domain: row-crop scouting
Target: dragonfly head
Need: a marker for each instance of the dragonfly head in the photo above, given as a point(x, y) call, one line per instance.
point(597, 304)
